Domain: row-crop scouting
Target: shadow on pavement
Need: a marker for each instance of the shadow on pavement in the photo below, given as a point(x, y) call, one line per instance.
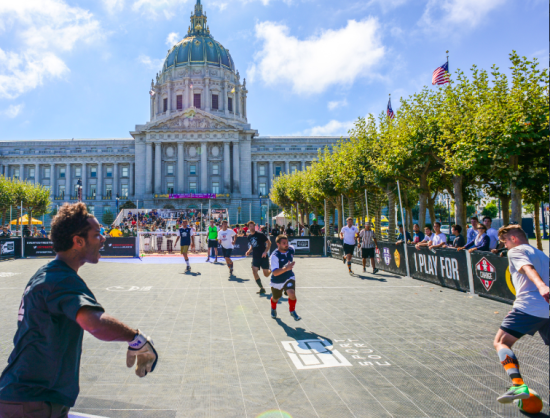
point(369, 278)
point(300, 333)
point(234, 278)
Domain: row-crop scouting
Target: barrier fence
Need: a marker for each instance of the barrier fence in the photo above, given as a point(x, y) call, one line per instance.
point(10, 248)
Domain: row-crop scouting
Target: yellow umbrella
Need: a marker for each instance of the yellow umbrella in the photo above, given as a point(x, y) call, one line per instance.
point(25, 221)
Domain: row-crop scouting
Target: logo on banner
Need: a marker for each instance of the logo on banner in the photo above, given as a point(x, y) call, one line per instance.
point(397, 258)
point(300, 244)
point(487, 273)
point(377, 253)
point(7, 247)
point(387, 256)
point(314, 354)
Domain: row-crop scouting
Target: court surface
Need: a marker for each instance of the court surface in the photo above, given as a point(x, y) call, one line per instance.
point(368, 346)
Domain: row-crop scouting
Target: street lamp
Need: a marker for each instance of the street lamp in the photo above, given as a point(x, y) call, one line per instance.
point(79, 187)
point(117, 203)
point(261, 211)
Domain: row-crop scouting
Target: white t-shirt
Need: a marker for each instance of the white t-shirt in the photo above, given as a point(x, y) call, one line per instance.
point(437, 239)
point(492, 233)
point(349, 234)
point(226, 238)
point(428, 238)
point(528, 298)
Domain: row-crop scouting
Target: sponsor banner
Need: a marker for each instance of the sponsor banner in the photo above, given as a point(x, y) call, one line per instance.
point(119, 247)
point(492, 277)
point(39, 247)
point(445, 267)
point(240, 249)
point(310, 245)
point(10, 248)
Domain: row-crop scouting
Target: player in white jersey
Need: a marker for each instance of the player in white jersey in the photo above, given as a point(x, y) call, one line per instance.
point(348, 235)
point(227, 237)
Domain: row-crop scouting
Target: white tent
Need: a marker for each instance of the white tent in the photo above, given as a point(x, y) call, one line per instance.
point(282, 218)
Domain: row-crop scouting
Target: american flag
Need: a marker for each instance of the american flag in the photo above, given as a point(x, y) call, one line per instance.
point(152, 92)
point(389, 111)
point(441, 74)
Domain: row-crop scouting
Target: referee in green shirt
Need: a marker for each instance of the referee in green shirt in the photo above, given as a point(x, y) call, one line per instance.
point(212, 240)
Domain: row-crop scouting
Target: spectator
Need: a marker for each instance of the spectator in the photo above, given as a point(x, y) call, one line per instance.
point(472, 232)
point(289, 231)
point(275, 231)
point(492, 233)
point(458, 240)
point(35, 233)
point(418, 235)
point(236, 229)
point(315, 229)
point(6, 233)
point(115, 232)
point(401, 237)
point(427, 238)
point(481, 242)
point(43, 232)
point(439, 239)
point(101, 229)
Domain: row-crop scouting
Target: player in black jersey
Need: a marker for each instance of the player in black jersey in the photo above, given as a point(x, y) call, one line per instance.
point(186, 234)
point(259, 246)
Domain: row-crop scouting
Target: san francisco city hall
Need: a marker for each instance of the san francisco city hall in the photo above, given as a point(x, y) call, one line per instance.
point(197, 142)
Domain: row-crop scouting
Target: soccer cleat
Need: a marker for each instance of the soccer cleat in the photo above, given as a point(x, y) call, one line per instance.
point(374, 271)
point(344, 260)
point(216, 260)
point(364, 270)
point(231, 271)
point(188, 269)
point(515, 392)
point(261, 291)
point(295, 316)
point(274, 313)
point(208, 260)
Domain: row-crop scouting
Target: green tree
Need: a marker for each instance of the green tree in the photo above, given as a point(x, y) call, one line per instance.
point(490, 210)
point(36, 200)
point(7, 197)
point(108, 218)
point(128, 205)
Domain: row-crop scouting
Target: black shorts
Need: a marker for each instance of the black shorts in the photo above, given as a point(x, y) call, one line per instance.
point(518, 323)
point(212, 243)
point(278, 293)
point(367, 252)
point(227, 252)
point(349, 249)
point(261, 263)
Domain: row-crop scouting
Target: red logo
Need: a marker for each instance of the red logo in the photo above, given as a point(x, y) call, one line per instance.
point(486, 272)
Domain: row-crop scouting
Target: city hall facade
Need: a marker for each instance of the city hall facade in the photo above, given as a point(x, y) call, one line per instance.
point(197, 148)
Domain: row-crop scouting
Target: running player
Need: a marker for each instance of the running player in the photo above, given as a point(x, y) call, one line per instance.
point(41, 378)
point(227, 237)
point(186, 234)
point(212, 240)
point(348, 234)
point(529, 271)
point(259, 246)
point(368, 244)
point(282, 277)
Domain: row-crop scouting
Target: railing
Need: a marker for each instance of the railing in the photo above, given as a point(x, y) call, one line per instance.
point(93, 197)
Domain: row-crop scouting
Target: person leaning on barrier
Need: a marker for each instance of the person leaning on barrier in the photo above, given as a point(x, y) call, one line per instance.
point(427, 238)
point(492, 233)
point(438, 239)
point(458, 240)
point(418, 235)
point(315, 228)
point(481, 243)
point(472, 232)
point(401, 237)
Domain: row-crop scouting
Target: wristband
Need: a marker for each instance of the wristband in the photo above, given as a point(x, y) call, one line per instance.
point(139, 341)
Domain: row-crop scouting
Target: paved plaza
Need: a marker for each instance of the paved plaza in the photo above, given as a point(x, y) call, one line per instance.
point(367, 346)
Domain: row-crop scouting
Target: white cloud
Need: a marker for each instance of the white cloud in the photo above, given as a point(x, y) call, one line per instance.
point(42, 29)
point(158, 8)
point(442, 13)
point(314, 64)
point(113, 6)
point(333, 128)
point(172, 39)
point(336, 104)
point(13, 111)
point(152, 63)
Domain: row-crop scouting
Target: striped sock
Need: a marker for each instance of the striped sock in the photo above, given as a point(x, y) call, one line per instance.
point(349, 265)
point(510, 362)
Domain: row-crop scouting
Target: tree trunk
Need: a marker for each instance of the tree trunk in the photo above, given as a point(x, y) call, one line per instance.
point(409, 220)
point(378, 223)
point(4, 217)
point(460, 208)
point(431, 207)
point(422, 210)
point(391, 214)
point(505, 207)
point(351, 207)
point(537, 226)
point(363, 213)
point(515, 192)
point(327, 219)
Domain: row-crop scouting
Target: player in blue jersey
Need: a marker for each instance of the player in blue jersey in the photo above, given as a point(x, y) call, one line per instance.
point(282, 277)
point(186, 235)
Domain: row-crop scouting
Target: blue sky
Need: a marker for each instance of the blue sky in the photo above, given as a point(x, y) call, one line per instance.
point(82, 69)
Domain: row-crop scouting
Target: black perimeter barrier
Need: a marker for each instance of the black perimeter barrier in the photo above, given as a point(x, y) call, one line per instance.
point(240, 249)
point(445, 267)
point(492, 277)
point(310, 245)
point(119, 247)
point(39, 247)
point(10, 248)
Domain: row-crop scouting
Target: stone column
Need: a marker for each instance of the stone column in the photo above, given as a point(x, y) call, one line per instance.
point(158, 168)
point(68, 188)
point(225, 87)
point(270, 175)
point(22, 172)
point(53, 183)
point(236, 168)
point(185, 93)
point(181, 168)
point(152, 107)
point(244, 105)
point(245, 179)
point(226, 167)
point(237, 109)
point(149, 168)
point(99, 186)
point(132, 185)
point(303, 164)
point(204, 168)
point(85, 180)
point(255, 187)
point(115, 180)
point(36, 173)
point(170, 97)
point(287, 167)
point(207, 94)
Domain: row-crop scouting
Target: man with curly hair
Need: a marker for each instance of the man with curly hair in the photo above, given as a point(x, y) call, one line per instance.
point(42, 375)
